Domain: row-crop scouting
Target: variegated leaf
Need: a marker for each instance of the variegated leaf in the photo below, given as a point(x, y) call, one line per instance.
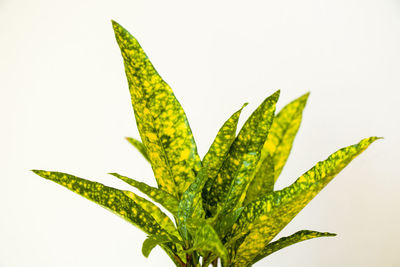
point(282, 133)
point(263, 181)
point(139, 146)
point(220, 147)
point(206, 239)
point(289, 240)
point(160, 217)
point(155, 240)
point(191, 201)
point(167, 200)
point(266, 216)
point(110, 198)
point(237, 170)
point(161, 121)
point(224, 224)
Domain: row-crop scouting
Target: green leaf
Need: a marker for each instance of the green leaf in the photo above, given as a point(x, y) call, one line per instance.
point(206, 239)
point(220, 147)
point(283, 131)
point(191, 200)
point(153, 241)
point(225, 223)
point(158, 195)
point(161, 121)
point(263, 181)
point(139, 146)
point(262, 219)
point(237, 170)
point(110, 198)
point(289, 240)
point(160, 217)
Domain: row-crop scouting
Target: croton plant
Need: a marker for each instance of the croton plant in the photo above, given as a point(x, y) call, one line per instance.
point(223, 208)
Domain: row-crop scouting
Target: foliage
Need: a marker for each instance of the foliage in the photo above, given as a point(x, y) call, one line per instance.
point(224, 206)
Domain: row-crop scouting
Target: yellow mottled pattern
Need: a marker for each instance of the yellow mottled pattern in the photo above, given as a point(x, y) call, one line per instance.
point(161, 121)
point(248, 144)
point(110, 198)
point(282, 206)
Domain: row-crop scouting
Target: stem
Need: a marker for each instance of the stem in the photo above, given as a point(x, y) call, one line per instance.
point(177, 258)
point(215, 262)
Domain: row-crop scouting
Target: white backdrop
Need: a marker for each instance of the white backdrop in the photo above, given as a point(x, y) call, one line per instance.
point(65, 106)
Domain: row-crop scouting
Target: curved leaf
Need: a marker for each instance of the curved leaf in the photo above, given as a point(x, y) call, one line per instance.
point(237, 169)
point(139, 146)
point(158, 195)
point(110, 198)
point(266, 216)
point(161, 121)
point(155, 240)
point(289, 240)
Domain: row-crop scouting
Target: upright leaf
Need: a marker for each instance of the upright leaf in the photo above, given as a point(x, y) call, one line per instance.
point(191, 200)
point(262, 219)
point(289, 240)
point(110, 198)
point(161, 121)
point(139, 146)
point(237, 169)
point(263, 181)
point(158, 195)
point(283, 131)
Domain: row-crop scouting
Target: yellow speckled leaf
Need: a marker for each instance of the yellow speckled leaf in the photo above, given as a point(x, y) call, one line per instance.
point(237, 170)
point(160, 217)
point(158, 195)
point(139, 146)
point(263, 181)
point(266, 216)
point(110, 198)
point(161, 121)
point(282, 133)
point(289, 240)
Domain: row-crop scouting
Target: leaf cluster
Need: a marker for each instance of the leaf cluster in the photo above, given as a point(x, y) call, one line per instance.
point(222, 208)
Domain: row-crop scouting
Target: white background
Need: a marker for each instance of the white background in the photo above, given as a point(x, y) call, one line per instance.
point(65, 106)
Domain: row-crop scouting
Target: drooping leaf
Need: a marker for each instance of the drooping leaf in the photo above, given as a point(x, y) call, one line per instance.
point(207, 240)
point(139, 146)
point(263, 218)
point(161, 121)
point(237, 170)
point(283, 131)
point(191, 200)
point(110, 198)
point(155, 240)
point(263, 181)
point(289, 240)
point(220, 147)
point(158, 195)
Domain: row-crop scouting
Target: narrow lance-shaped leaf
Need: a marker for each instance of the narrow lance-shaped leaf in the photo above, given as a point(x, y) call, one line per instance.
point(277, 148)
point(161, 121)
point(167, 200)
point(139, 146)
point(152, 241)
point(263, 181)
point(191, 200)
point(265, 217)
point(219, 149)
point(113, 199)
point(237, 170)
point(289, 240)
point(283, 131)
